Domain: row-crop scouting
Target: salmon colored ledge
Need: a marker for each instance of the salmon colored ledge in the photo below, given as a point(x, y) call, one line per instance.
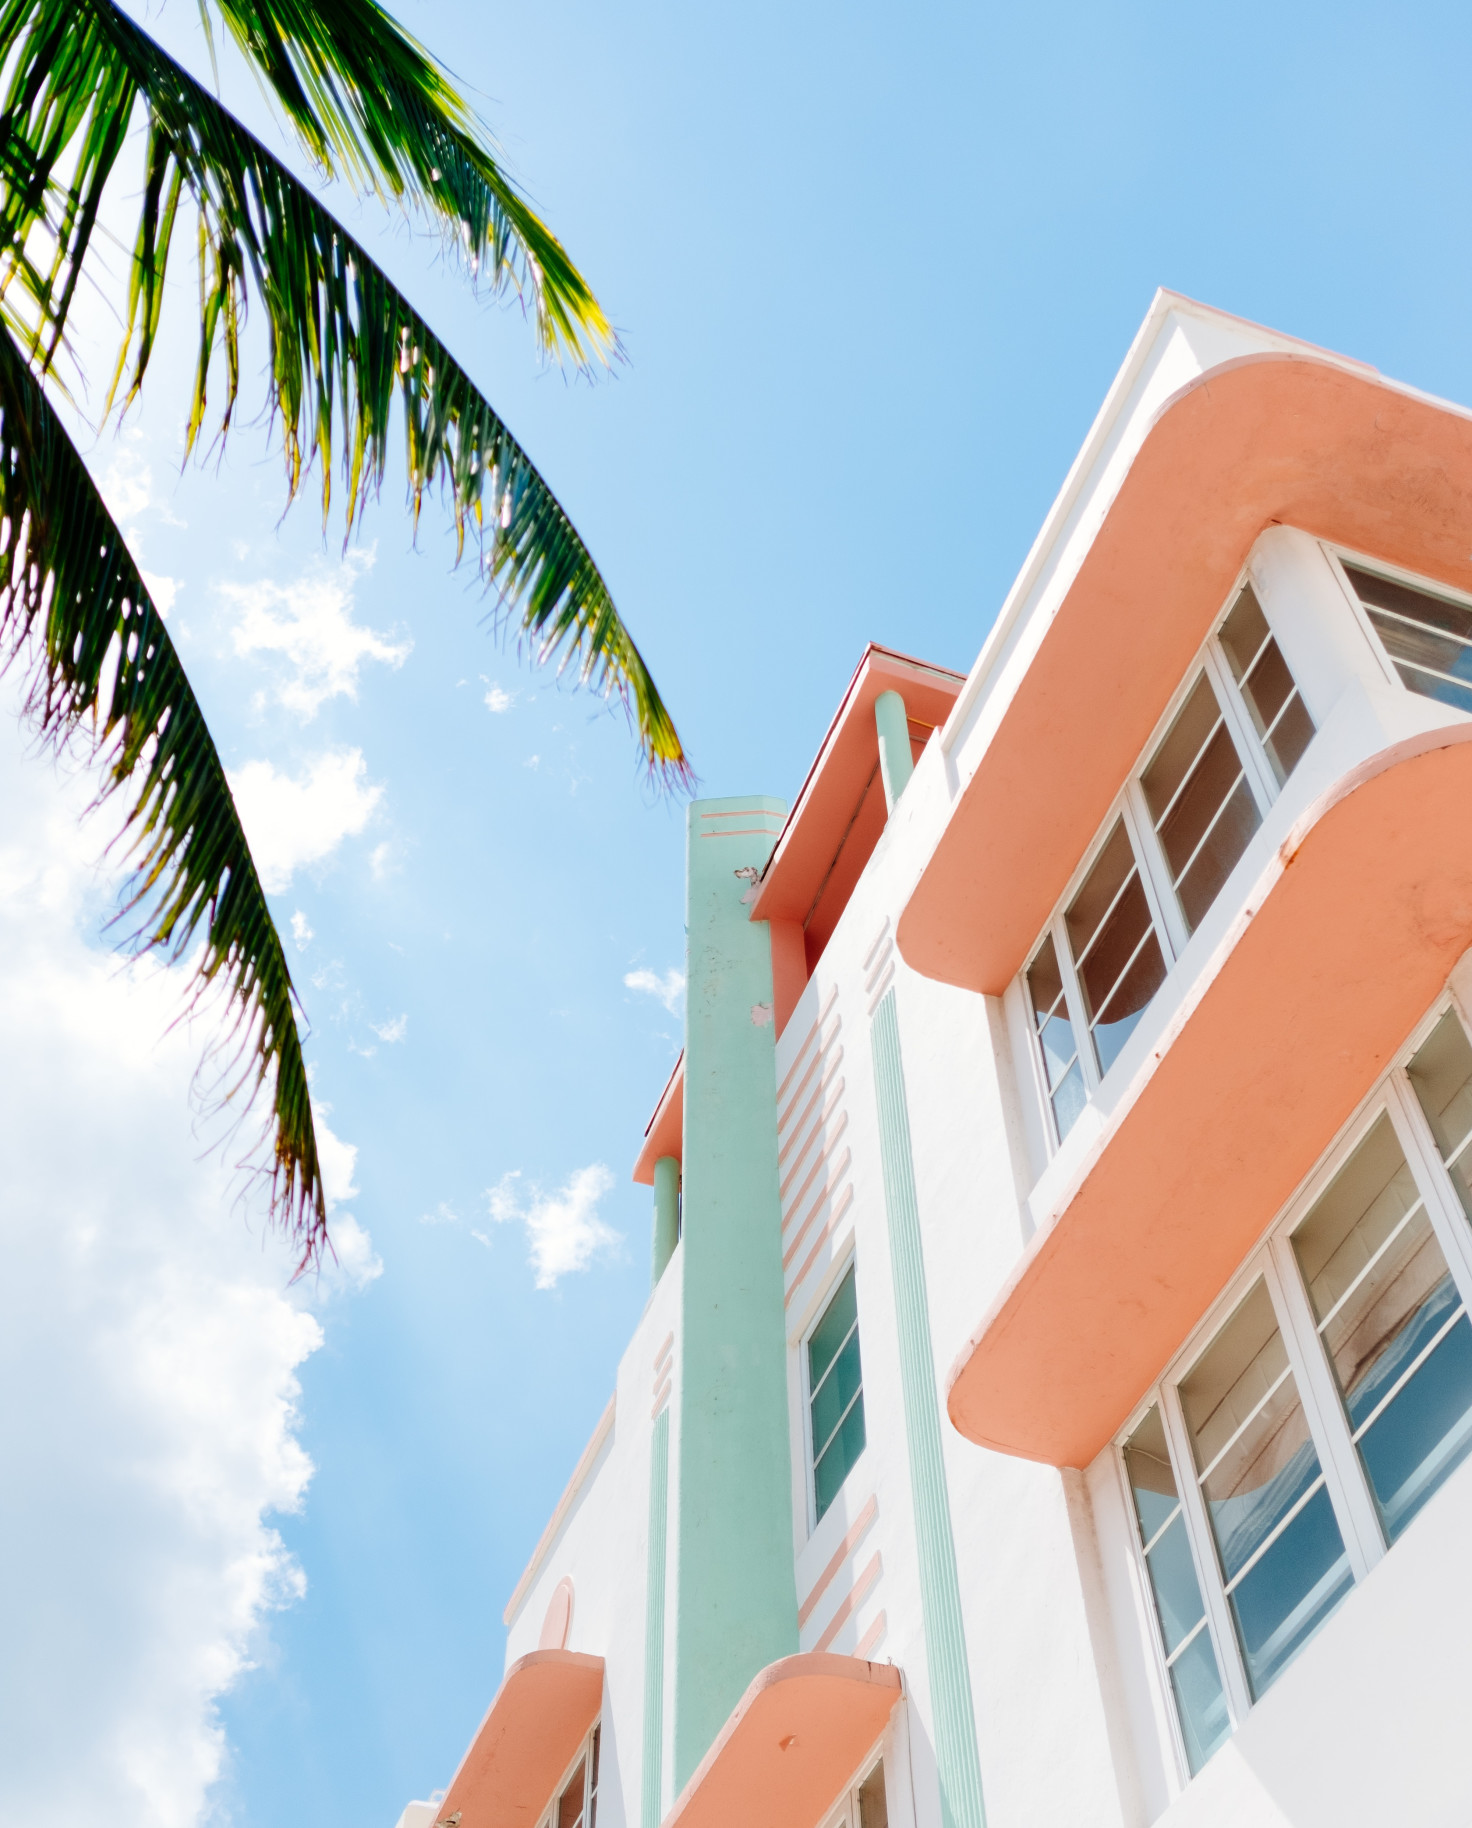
point(792, 1742)
point(1265, 439)
point(543, 1711)
point(1346, 940)
point(664, 1134)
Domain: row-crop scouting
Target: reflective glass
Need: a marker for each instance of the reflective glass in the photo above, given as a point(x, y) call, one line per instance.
point(837, 1402)
point(1428, 638)
point(1281, 1553)
point(1056, 1045)
point(1115, 949)
point(1442, 1076)
point(1284, 727)
point(1190, 1655)
point(1200, 800)
point(1392, 1322)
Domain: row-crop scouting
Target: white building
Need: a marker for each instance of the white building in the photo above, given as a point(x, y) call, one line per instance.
point(1052, 1403)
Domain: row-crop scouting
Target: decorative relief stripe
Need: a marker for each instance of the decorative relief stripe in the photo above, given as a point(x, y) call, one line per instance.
point(840, 1207)
point(881, 990)
point(829, 1137)
point(839, 1169)
point(872, 1636)
point(795, 1130)
point(846, 1548)
point(879, 941)
point(823, 1045)
point(822, 1238)
point(662, 1354)
point(661, 1397)
point(850, 1604)
point(806, 1042)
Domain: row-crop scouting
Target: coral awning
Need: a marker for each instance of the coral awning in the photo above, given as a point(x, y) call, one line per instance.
point(664, 1134)
point(792, 1742)
point(1262, 440)
point(1345, 941)
point(542, 1712)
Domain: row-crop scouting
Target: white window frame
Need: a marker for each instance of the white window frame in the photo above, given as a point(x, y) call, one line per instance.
point(1339, 557)
point(548, 1818)
point(1131, 805)
point(848, 1261)
point(1271, 1260)
point(845, 1812)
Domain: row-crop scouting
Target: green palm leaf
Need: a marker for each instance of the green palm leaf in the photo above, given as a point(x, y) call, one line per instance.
point(73, 604)
point(346, 345)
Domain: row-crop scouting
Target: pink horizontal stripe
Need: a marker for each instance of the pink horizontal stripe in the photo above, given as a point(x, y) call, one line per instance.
point(661, 1396)
point(829, 1138)
point(840, 1207)
point(822, 1238)
point(739, 831)
point(844, 1549)
point(662, 1354)
point(815, 1170)
point(850, 1604)
point(871, 1637)
point(818, 1022)
point(823, 1084)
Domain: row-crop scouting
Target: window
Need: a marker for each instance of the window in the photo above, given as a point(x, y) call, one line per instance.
point(576, 1805)
point(836, 1394)
point(1428, 637)
point(865, 1806)
point(1184, 819)
point(1258, 1510)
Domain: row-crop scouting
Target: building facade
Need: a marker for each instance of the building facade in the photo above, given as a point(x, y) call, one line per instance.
point(1053, 1402)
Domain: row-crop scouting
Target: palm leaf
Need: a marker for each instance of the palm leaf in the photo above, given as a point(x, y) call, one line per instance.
point(369, 102)
point(345, 344)
point(72, 601)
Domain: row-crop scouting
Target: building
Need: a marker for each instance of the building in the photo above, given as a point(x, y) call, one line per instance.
point(1053, 1400)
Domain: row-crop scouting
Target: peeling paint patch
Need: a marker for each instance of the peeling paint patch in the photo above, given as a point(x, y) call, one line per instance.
point(761, 1014)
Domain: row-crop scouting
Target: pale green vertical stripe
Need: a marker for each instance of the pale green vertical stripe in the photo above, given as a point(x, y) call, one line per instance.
point(659, 1492)
point(940, 1593)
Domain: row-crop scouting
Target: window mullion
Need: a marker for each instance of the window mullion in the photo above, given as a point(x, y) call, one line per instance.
point(1349, 1491)
point(1443, 1208)
point(1165, 906)
point(1167, 1715)
point(1073, 998)
point(1203, 1553)
point(1250, 751)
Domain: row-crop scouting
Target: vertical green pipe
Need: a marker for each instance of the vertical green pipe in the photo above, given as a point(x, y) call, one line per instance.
point(666, 1213)
point(652, 1789)
point(896, 761)
point(735, 1587)
point(940, 1592)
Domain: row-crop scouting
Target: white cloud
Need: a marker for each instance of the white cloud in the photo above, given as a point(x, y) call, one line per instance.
point(532, 761)
point(163, 590)
point(498, 699)
point(292, 823)
point(127, 484)
point(339, 1159)
point(309, 624)
point(443, 1214)
point(391, 1031)
point(153, 1351)
point(563, 1230)
point(357, 1263)
point(301, 931)
point(380, 860)
point(670, 988)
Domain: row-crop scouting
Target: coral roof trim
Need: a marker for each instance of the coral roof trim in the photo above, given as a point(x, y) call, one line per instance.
point(542, 1712)
point(664, 1134)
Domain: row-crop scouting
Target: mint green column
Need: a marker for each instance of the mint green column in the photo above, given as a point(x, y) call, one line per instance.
point(940, 1593)
point(666, 1213)
point(896, 762)
point(736, 1596)
point(651, 1790)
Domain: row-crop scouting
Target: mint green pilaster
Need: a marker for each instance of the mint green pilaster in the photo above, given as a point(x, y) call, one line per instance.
point(940, 1593)
point(659, 1508)
point(736, 1596)
point(666, 1214)
point(896, 760)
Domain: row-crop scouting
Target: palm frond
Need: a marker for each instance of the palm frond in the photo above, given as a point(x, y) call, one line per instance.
point(72, 601)
point(345, 344)
point(369, 102)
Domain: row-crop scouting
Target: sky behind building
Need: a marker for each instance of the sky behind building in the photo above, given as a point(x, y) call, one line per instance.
point(874, 270)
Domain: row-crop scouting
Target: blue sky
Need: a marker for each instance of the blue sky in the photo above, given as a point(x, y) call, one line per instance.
point(874, 269)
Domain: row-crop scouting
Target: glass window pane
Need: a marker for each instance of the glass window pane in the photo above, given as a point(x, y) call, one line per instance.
point(1428, 637)
point(1201, 1703)
point(1055, 1039)
point(873, 1803)
point(1392, 1323)
point(1190, 1654)
point(1116, 952)
point(1442, 1076)
point(1200, 801)
point(1281, 1553)
point(836, 1401)
point(1284, 727)
point(570, 1803)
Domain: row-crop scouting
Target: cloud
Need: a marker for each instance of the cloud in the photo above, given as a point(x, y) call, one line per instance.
point(498, 699)
point(154, 1350)
point(670, 989)
point(339, 1159)
point(357, 1263)
point(380, 861)
point(163, 590)
point(127, 485)
point(301, 931)
point(563, 1230)
point(309, 624)
point(443, 1214)
point(292, 823)
point(391, 1031)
